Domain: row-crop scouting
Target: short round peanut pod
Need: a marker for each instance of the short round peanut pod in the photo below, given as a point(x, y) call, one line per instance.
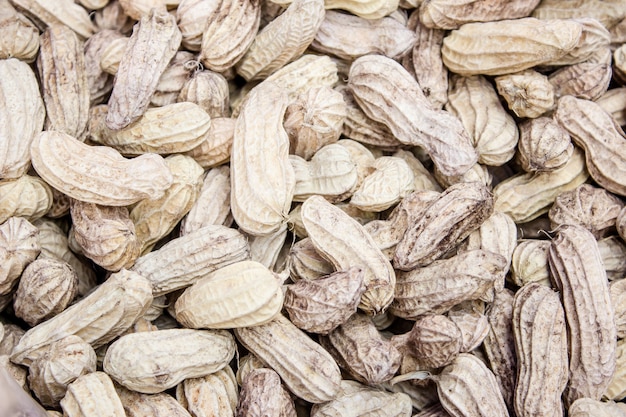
point(435, 340)
point(530, 262)
point(46, 288)
point(262, 394)
point(19, 246)
point(63, 362)
point(543, 145)
point(209, 90)
point(528, 93)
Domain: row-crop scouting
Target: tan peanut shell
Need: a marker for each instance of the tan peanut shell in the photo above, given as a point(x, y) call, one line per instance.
point(612, 249)
point(422, 178)
point(525, 197)
point(137, 404)
point(616, 390)
point(357, 399)
point(242, 294)
point(608, 13)
point(177, 72)
point(305, 367)
point(62, 12)
point(156, 218)
point(46, 288)
point(209, 90)
point(349, 37)
point(525, 43)
point(578, 273)
point(360, 349)
point(90, 395)
point(215, 148)
point(493, 131)
point(97, 174)
point(614, 102)
point(191, 18)
point(262, 394)
point(456, 213)
point(262, 179)
point(320, 305)
point(63, 362)
point(343, 241)
point(97, 318)
point(212, 395)
point(305, 262)
point(541, 344)
point(19, 96)
point(467, 387)
point(267, 250)
point(229, 33)
point(19, 37)
point(63, 74)
point(435, 288)
point(173, 128)
point(282, 40)
point(586, 80)
point(617, 291)
point(306, 72)
point(184, 260)
point(529, 262)
point(152, 45)
point(447, 14)
point(27, 196)
point(602, 139)
point(435, 340)
point(151, 362)
point(528, 93)
point(106, 234)
point(212, 206)
point(19, 246)
point(587, 407)
point(112, 55)
point(375, 79)
point(470, 318)
point(543, 145)
point(99, 82)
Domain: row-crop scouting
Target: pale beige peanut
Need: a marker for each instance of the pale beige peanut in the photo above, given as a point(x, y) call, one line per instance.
point(105, 234)
point(577, 270)
point(525, 43)
point(304, 366)
point(242, 294)
point(46, 288)
point(528, 93)
point(151, 362)
point(362, 157)
point(229, 33)
point(262, 179)
point(449, 219)
point(171, 82)
point(212, 395)
point(614, 102)
point(112, 55)
point(617, 291)
point(424, 61)
point(209, 90)
point(12, 335)
point(616, 390)
point(314, 120)
point(54, 244)
point(63, 362)
point(541, 344)
point(331, 173)
point(157, 405)
point(63, 74)
point(543, 145)
point(349, 37)
point(586, 80)
point(375, 79)
point(92, 395)
point(612, 249)
point(19, 246)
point(19, 37)
point(271, 251)
point(361, 350)
point(27, 196)
point(262, 394)
point(467, 387)
point(434, 340)
point(609, 13)
point(320, 305)
point(529, 262)
point(112, 17)
point(99, 82)
point(184, 260)
point(61, 12)
point(216, 146)
point(422, 178)
point(305, 262)
point(470, 318)
point(591, 207)
point(587, 407)
point(19, 96)
point(343, 241)
point(97, 318)
point(137, 9)
point(283, 40)
point(357, 399)
point(435, 288)
point(191, 17)
point(367, 9)
point(603, 140)
point(155, 218)
point(247, 364)
point(152, 45)
point(525, 197)
point(212, 206)
point(493, 131)
point(97, 174)
point(391, 181)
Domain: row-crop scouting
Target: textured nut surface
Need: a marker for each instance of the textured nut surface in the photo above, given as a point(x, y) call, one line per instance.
point(528, 93)
point(435, 340)
point(543, 145)
point(262, 394)
point(19, 246)
point(212, 395)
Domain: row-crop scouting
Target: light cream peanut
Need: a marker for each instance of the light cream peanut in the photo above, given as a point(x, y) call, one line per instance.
point(174, 78)
point(157, 405)
point(262, 394)
point(529, 262)
point(19, 246)
point(435, 340)
point(19, 37)
point(152, 45)
point(586, 80)
point(215, 148)
point(27, 196)
point(92, 395)
point(608, 13)
point(192, 17)
point(305, 262)
point(270, 250)
point(212, 395)
point(19, 96)
point(151, 362)
point(209, 90)
point(374, 79)
point(99, 82)
point(587, 407)
point(470, 318)
point(345, 243)
point(613, 251)
point(97, 318)
point(543, 145)
point(528, 93)
point(97, 174)
point(63, 12)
